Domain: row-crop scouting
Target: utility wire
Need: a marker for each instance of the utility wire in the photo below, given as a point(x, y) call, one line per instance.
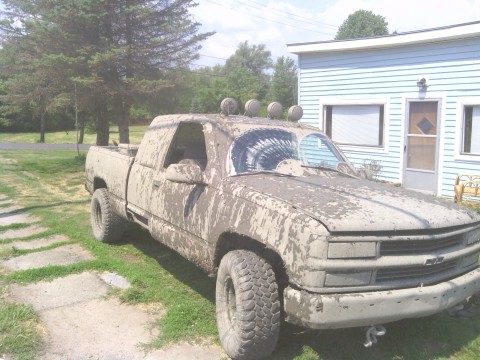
point(287, 15)
point(270, 20)
point(213, 57)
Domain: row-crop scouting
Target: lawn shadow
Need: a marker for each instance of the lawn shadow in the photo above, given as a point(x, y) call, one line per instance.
point(33, 207)
point(183, 270)
point(434, 337)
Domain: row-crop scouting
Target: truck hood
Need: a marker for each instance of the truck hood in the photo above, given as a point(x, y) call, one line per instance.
point(344, 204)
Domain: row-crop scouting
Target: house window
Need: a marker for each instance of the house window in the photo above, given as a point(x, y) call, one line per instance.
point(471, 130)
point(355, 124)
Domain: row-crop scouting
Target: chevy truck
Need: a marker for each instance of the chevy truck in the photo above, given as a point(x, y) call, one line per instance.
point(279, 215)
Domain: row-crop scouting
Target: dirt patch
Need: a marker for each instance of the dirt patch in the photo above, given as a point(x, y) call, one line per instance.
point(30, 175)
point(72, 192)
point(5, 201)
point(7, 161)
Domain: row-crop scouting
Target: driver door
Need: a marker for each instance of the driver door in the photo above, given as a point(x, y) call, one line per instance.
point(178, 208)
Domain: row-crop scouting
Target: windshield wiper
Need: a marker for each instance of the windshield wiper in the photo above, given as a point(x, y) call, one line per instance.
point(323, 167)
point(255, 172)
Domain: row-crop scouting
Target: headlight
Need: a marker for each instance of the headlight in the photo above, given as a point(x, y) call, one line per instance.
point(470, 260)
point(352, 250)
point(473, 236)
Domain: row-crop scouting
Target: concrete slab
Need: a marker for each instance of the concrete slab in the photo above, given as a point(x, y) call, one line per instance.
point(15, 218)
point(62, 292)
point(36, 243)
point(20, 233)
point(107, 329)
point(63, 255)
point(9, 209)
point(80, 324)
point(188, 352)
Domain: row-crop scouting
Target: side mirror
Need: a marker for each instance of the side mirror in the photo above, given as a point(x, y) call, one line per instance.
point(185, 173)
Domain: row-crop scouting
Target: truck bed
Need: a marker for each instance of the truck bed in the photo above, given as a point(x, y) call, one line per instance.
point(110, 165)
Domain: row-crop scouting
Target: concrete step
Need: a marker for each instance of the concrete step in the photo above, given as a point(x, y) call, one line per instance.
point(63, 255)
point(35, 243)
point(20, 233)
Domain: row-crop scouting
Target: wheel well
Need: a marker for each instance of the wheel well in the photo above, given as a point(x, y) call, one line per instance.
point(99, 184)
point(232, 241)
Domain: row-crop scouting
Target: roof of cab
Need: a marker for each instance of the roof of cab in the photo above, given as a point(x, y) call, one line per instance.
point(229, 121)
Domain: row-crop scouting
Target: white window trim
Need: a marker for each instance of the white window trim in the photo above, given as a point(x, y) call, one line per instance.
point(374, 101)
point(461, 103)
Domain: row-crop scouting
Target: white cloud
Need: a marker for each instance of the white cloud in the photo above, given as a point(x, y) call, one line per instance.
point(408, 15)
point(277, 23)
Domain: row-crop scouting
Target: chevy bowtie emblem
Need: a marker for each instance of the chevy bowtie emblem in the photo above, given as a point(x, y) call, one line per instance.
point(434, 261)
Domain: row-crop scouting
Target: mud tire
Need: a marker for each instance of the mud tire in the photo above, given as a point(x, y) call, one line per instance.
point(107, 226)
point(247, 306)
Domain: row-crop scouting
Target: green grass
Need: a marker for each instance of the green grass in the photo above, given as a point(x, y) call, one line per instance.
point(14, 226)
point(64, 137)
point(160, 276)
point(56, 195)
point(18, 331)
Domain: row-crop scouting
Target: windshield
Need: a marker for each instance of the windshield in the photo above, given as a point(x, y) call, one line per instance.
point(269, 149)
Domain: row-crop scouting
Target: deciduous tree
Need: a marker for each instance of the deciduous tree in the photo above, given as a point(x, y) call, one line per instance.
point(362, 23)
point(284, 85)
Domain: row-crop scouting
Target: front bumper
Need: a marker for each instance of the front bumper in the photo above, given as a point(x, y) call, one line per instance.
point(330, 311)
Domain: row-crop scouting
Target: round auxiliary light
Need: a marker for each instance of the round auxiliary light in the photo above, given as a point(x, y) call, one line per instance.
point(274, 110)
point(295, 113)
point(252, 107)
point(229, 106)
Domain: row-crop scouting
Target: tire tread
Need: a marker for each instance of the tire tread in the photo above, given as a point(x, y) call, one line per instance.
point(259, 317)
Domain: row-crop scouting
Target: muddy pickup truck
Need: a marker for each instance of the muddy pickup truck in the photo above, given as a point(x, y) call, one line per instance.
point(279, 215)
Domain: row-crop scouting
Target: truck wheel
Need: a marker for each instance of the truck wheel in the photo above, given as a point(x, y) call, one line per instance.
point(247, 306)
point(106, 225)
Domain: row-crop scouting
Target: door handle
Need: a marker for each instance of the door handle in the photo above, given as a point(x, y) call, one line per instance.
point(404, 148)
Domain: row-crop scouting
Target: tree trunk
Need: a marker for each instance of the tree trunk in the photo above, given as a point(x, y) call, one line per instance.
point(42, 128)
point(81, 131)
point(123, 123)
point(103, 129)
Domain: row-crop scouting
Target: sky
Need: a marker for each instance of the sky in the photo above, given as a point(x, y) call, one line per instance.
point(281, 22)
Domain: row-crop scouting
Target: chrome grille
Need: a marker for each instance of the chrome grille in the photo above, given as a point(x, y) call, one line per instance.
point(413, 273)
point(417, 247)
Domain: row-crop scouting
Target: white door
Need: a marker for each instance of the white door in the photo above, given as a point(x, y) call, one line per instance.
point(421, 146)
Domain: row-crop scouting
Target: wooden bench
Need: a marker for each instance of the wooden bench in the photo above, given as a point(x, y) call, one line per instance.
point(466, 184)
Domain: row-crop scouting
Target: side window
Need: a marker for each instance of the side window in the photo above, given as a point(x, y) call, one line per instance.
point(471, 130)
point(188, 145)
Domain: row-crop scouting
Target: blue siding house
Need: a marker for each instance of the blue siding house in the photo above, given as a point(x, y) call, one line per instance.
point(409, 102)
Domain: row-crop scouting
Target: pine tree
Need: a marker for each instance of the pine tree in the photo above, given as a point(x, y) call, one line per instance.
point(118, 52)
